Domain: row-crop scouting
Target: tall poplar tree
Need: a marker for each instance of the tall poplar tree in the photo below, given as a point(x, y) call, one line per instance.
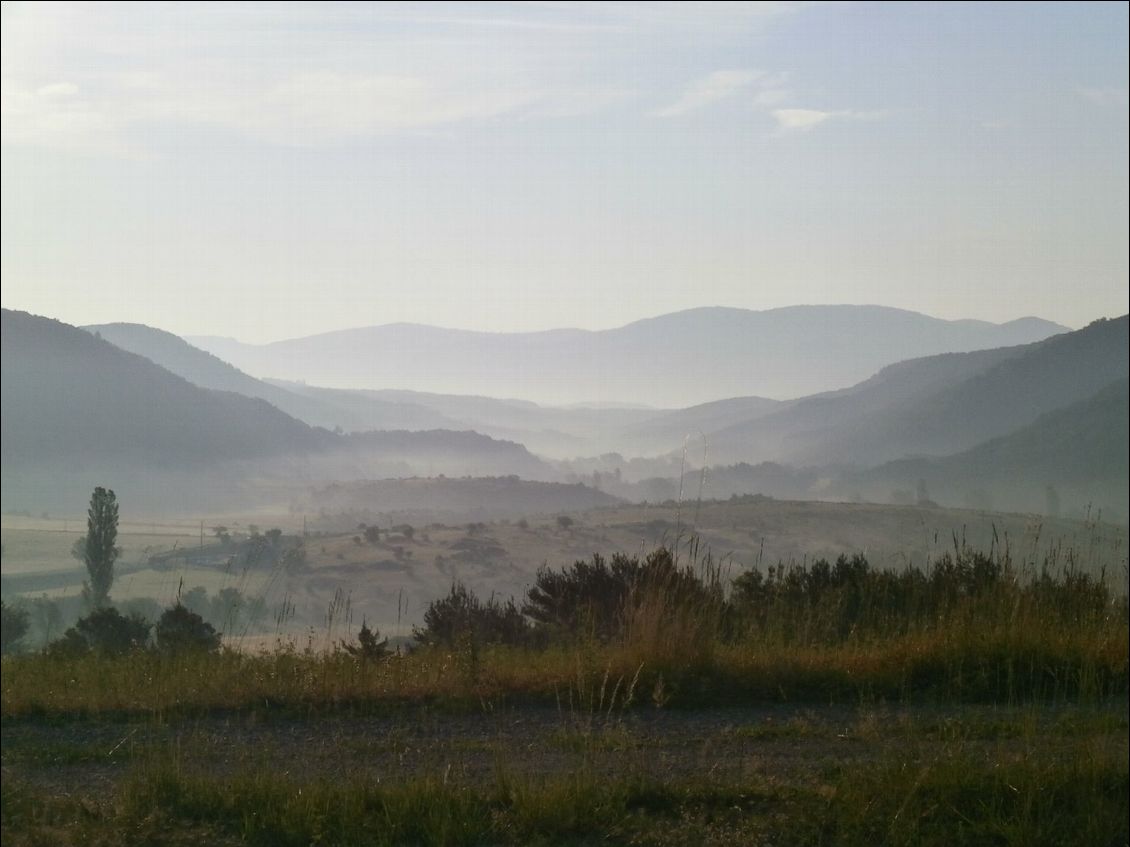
point(101, 552)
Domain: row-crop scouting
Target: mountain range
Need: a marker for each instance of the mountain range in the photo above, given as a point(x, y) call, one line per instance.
point(671, 361)
point(935, 405)
point(78, 409)
point(142, 405)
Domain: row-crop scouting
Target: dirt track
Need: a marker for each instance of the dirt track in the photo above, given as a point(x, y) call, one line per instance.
point(767, 742)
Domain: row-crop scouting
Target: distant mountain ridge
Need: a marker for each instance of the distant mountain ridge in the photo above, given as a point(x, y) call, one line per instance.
point(936, 405)
point(78, 409)
point(71, 397)
point(1081, 452)
point(209, 371)
point(670, 361)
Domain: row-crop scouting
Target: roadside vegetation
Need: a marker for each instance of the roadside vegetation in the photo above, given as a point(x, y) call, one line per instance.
point(970, 629)
point(603, 643)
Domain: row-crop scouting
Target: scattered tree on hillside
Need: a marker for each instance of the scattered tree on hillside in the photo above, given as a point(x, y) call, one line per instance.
point(100, 551)
point(564, 521)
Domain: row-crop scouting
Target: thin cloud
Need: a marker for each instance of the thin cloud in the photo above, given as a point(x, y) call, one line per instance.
point(803, 120)
point(332, 105)
point(717, 86)
point(94, 79)
point(56, 115)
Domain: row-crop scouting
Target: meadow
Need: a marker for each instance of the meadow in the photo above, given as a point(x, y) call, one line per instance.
point(980, 701)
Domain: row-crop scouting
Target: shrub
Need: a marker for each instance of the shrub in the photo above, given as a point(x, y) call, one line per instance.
point(461, 618)
point(180, 630)
point(601, 598)
point(825, 603)
point(105, 631)
point(13, 626)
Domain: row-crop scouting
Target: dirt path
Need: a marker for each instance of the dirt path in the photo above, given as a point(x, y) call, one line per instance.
point(788, 743)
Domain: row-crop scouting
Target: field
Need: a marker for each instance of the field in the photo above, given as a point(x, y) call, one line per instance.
point(976, 698)
point(390, 582)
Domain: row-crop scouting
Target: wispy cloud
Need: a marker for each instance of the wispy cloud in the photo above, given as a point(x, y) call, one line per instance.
point(58, 116)
point(93, 78)
point(802, 120)
point(329, 106)
point(717, 86)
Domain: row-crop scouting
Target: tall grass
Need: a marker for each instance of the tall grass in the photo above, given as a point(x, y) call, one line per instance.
point(971, 628)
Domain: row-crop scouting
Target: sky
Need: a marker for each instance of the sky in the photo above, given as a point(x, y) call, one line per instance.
point(278, 170)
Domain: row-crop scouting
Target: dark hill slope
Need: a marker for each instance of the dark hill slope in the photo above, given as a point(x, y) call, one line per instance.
point(78, 411)
point(69, 397)
point(935, 405)
point(1080, 450)
point(328, 409)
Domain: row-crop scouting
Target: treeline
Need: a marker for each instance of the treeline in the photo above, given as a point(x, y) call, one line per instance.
point(66, 625)
point(625, 599)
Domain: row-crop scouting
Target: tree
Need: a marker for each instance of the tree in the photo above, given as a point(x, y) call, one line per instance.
point(100, 551)
point(370, 646)
point(13, 626)
point(462, 618)
point(597, 598)
point(180, 630)
point(104, 631)
point(564, 521)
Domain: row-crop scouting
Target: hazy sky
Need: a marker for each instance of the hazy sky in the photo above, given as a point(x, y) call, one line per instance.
point(273, 171)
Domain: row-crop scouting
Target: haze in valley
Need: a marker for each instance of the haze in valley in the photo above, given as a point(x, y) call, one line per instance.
point(342, 266)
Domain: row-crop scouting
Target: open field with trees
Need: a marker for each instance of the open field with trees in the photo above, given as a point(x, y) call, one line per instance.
point(628, 699)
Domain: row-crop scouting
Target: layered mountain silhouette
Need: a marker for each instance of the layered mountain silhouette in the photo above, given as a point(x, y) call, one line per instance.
point(936, 405)
point(671, 361)
point(348, 411)
point(72, 398)
point(553, 431)
point(1005, 424)
point(1077, 455)
point(76, 407)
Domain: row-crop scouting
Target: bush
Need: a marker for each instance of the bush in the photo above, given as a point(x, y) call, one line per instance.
point(461, 618)
point(13, 626)
point(105, 631)
point(180, 630)
point(825, 603)
point(599, 598)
